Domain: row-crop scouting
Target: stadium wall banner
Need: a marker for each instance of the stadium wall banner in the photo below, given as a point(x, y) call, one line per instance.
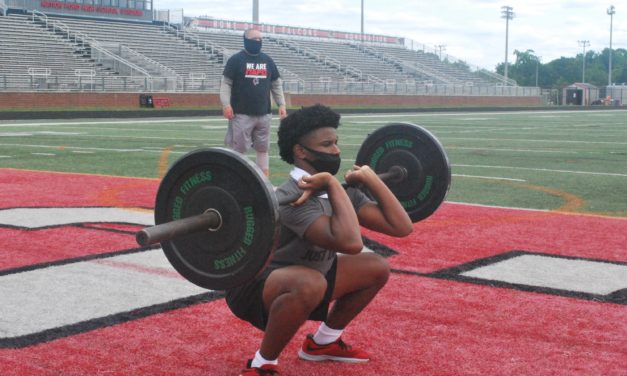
point(290, 30)
point(88, 10)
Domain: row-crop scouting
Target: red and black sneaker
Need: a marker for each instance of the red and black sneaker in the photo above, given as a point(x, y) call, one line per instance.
point(337, 351)
point(265, 370)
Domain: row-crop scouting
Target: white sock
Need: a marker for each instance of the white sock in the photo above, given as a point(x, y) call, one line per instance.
point(326, 335)
point(263, 161)
point(259, 360)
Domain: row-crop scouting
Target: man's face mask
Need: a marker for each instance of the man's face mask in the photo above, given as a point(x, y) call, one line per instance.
point(252, 46)
point(324, 162)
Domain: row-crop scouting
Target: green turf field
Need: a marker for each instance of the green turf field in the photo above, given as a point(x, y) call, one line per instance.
point(564, 160)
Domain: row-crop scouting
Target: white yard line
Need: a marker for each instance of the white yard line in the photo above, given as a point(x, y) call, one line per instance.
point(56, 147)
point(536, 210)
point(470, 113)
point(488, 177)
point(92, 122)
point(516, 150)
point(543, 170)
point(496, 207)
point(551, 113)
point(536, 140)
point(183, 152)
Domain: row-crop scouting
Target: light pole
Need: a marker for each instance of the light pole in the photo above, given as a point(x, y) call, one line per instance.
point(362, 21)
point(440, 47)
point(537, 63)
point(255, 11)
point(610, 11)
point(584, 44)
point(507, 13)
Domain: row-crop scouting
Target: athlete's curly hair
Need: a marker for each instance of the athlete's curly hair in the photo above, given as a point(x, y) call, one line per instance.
point(301, 122)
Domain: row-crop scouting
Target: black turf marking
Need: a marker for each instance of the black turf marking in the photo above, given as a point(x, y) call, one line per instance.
point(619, 297)
point(102, 322)
point(454, 274)
point(93, 226)
point(122, 317)
point(72, 260)
point(85, 225)
point(379, 248)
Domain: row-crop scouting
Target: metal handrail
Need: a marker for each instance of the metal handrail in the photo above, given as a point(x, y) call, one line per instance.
point(498, 77)
point(326, 60)
point(453, 59)
point(287, 73)
point(415, 67)
point(349, 69)
point(371, 78)
point(94, 44)
point(39, 14)
point(189, 36)
point(164, 70)
point(81, 72)
point(60, 82)
point(85, 40)
point(424, 70)
point(38, 71)
point(197, 75)
point(331, 61)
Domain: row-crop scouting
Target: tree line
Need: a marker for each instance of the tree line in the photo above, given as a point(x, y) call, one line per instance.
point(528, 70)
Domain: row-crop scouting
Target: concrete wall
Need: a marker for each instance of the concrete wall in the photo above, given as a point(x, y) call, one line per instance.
point(129, 101)
point(365, 101)
point(111, 101)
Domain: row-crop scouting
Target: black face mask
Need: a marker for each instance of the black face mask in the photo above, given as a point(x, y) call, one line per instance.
point(252, 46)
point(324, 162)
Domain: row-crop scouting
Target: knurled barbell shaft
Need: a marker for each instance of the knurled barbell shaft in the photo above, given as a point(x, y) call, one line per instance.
point(210, 219)
point(394, 173)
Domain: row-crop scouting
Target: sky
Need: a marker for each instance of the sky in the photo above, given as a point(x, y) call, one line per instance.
point(469, 30)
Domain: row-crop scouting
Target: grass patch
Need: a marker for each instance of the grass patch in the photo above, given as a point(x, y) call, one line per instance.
point(528, 159)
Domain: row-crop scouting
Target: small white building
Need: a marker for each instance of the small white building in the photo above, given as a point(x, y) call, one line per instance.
point(580, 94)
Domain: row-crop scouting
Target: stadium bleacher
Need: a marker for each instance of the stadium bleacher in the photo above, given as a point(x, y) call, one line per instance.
point(34, 59)
point(294, 65)
point(149, 40)
point(45, 52)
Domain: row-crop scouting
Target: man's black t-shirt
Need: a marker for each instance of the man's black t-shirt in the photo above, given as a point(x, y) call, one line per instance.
point(252, 79)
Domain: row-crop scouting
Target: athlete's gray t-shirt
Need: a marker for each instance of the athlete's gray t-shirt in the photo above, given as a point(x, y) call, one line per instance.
point(293, 249)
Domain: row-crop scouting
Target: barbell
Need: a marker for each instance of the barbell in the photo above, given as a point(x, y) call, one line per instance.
point(217, 215)
point(211, 219)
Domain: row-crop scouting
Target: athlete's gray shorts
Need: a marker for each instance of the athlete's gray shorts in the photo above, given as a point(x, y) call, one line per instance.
point(245, 131)
point(246, 301)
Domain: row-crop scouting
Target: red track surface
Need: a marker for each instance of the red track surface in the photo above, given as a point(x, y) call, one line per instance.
point(417, 325)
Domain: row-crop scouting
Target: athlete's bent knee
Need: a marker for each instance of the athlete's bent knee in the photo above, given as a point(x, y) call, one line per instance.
point(379, 270)
point(309, 290)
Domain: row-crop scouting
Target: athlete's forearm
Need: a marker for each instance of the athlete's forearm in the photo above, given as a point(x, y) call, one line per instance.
point(277, 92)
point(226, 85)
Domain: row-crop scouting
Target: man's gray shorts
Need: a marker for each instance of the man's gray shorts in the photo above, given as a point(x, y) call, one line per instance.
point(245, 131)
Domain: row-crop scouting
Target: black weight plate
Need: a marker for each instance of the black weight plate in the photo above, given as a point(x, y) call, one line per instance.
point(421, 154)
point(240, 249)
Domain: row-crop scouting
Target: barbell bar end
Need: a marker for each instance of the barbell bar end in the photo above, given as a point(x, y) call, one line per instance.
point(209, 220)
point(141, 237)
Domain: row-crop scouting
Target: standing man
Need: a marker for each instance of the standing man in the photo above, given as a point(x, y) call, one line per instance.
point(249, 77)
